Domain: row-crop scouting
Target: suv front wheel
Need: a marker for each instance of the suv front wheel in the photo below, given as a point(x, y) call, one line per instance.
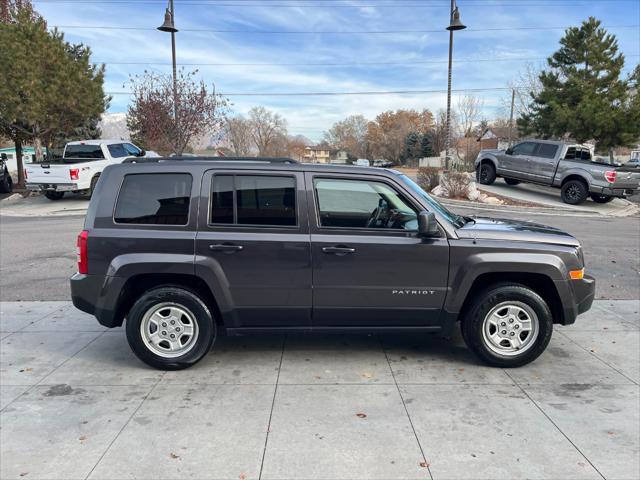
point(507, 325)
point(170, 328)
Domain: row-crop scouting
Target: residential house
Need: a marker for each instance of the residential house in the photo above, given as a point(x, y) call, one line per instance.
point(496, 137)
point(339, 157)
point(316, 154)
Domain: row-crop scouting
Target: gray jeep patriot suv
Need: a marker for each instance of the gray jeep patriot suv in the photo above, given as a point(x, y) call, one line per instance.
point(189, 249)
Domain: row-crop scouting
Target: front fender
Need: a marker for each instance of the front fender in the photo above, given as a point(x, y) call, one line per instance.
point(486, 156)
point(487, 262)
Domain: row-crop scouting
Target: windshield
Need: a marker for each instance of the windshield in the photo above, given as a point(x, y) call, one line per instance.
point(456, 220)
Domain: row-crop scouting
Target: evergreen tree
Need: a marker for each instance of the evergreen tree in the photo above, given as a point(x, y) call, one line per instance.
point(49, 87)
point(426, 146)
point(583, 95)
point(411, 146)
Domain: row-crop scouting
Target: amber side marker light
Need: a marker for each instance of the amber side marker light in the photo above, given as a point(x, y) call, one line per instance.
point(576, 274)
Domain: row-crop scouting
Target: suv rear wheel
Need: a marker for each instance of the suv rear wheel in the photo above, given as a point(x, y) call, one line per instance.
point(507, 325)
point(511, 181)
point(170, 328)
point(598, 198)
point(54, 195)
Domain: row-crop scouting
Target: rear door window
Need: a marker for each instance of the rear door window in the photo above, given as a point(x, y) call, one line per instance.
point(154, 199)
point(253, 200)
point(83, 151)
point(547, 150)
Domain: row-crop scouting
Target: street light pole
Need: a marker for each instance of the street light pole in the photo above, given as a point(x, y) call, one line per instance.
point(454, 24)
point(169, 26)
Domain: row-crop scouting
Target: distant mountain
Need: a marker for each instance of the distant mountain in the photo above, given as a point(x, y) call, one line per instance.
point(114, 126)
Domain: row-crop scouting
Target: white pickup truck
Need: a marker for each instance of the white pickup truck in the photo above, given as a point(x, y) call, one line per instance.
point(79, 168)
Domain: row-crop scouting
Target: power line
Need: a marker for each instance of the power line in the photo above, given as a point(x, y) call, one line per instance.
point(338, 64)
point(538, 3)
point(330, 94)
point(322, 32)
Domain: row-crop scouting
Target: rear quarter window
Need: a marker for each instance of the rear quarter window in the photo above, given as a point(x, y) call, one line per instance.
point(154, 199)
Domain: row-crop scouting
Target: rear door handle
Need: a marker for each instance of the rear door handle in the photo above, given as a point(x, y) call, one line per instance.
point(225, 247)
point(338, 250)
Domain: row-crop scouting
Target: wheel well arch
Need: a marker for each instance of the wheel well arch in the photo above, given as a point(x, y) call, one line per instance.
point(136, 285)
point(488, 160)
point(538, 282)
point(575, 176)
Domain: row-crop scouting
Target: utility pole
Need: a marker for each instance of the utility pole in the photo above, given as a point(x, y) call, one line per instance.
point(454, 24)
point(513, 101)
point(169, 26)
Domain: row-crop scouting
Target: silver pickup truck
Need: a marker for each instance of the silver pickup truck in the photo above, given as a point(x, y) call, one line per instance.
point(569, 167)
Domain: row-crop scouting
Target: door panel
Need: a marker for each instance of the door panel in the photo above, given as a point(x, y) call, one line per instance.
point(518, 164)
point(372, 277)
point(542, 165)
point(262, 272)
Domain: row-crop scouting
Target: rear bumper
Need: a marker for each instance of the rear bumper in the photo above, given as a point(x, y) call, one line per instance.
point(612, 191)
point(577, 297)
point(52, 187)
point(98, 295)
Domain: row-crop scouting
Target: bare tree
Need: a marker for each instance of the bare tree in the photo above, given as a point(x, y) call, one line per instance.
point(350, 135)
point(151, 118)
point(266, 129)
point(526, 85)
point(468, 113)
point(237, 131)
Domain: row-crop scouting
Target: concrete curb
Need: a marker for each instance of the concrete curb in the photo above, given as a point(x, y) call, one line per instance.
point(627, 211)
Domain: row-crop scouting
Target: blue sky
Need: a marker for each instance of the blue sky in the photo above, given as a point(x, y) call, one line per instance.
point(503, 35)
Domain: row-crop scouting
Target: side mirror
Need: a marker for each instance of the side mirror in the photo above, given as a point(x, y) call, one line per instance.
point(142, 153)
point(509, 151)
point(427, 225)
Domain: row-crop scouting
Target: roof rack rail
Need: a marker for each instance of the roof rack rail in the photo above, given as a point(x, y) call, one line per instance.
point(210, 159)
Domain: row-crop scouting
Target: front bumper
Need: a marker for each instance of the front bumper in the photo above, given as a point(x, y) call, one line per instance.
point(577, 297)
point(52, 187)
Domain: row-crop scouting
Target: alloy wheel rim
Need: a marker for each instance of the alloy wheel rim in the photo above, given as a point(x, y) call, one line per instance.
point(169, 329)
point(572, 192)
point(510, 328)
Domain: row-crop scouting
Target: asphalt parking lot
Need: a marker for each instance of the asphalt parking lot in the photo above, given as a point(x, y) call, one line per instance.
point(76, 403)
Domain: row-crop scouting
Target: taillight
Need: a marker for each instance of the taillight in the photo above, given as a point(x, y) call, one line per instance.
point(74, 173)
point(610, 175)
point(83, 266)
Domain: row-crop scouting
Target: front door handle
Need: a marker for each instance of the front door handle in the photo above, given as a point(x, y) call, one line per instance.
point(338, 250)
point(225, 247)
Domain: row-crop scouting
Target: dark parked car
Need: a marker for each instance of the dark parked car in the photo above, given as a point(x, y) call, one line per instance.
point(6, 183)
point(569, 167)
point(189, 249)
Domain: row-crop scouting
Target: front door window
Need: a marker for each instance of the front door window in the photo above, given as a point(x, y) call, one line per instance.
point(362, 204)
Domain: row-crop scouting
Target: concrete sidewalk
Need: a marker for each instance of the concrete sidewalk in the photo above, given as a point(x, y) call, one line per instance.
point(76, 403)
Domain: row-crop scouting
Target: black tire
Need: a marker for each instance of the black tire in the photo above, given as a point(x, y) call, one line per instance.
point(486, 173)
point(574, 192)
point(184, 299)
point(94, 182)
point(596, 197)
point(498, 296)
point(54, 195)
point(511, 181)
